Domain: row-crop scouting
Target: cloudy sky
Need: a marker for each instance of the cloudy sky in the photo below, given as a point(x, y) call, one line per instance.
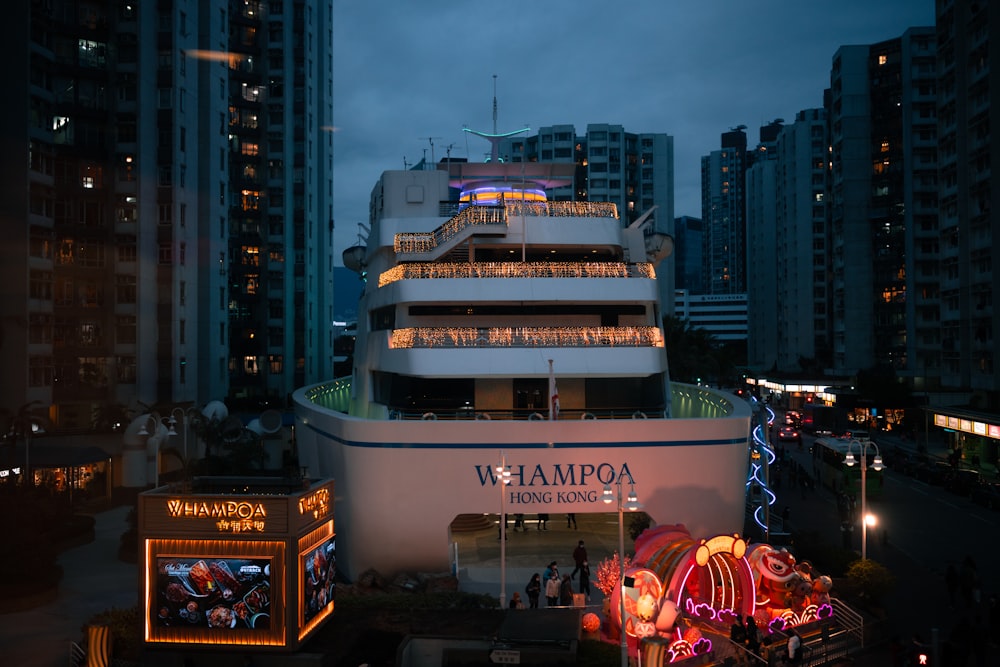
point(409, 72)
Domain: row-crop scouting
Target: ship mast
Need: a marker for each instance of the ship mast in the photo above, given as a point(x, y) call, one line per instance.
point(495, 137)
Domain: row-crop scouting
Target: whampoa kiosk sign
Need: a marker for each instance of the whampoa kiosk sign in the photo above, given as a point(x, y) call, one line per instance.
point(246, 563)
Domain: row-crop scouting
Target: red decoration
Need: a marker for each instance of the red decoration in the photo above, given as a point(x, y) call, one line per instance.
point(591, 622)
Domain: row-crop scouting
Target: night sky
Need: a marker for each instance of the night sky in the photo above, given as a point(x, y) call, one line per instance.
point(405, 72)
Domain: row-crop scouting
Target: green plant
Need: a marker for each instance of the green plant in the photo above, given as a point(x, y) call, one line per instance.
point(638, 523)
point(870, 581)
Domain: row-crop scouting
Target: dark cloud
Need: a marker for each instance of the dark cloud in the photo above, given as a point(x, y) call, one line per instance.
point(405, 72)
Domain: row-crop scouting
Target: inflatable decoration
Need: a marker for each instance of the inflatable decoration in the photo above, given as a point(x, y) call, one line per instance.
point(775, 577)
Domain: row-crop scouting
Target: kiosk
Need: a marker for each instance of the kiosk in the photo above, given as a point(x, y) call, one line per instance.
point(246, 562)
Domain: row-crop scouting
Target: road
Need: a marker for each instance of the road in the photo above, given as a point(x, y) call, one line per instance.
point(927, 528)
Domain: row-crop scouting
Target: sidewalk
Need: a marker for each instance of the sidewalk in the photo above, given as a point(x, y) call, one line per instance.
point(93, 580)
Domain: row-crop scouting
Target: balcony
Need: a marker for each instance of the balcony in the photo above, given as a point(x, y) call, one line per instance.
point(510, 337)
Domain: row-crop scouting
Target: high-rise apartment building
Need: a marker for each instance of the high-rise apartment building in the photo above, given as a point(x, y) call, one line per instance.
point(635, 171)
point(688, 239)
point(882, 122)
point(969, 225)
point(787, 249)
point(166, 206)
point(723, 214)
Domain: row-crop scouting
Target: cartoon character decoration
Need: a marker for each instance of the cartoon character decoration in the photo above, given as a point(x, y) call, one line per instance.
point(821, 587)
point(666, 619)
point(645, 610)
point(775, 577)
point(799, 591)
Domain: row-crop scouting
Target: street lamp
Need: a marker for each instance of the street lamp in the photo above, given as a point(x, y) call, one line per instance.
point(877, 466)
point(503, 476)
point(154, 433)
point(184, 421)
point(632, 505)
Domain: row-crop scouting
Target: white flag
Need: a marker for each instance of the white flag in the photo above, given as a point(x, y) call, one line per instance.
point(553, 394)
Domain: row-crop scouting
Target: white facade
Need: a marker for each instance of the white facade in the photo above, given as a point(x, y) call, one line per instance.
point(510, 326)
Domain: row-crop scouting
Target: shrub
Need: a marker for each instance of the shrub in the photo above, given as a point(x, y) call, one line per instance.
point(870, 581)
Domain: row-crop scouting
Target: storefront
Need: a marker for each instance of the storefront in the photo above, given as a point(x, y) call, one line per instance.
point(82, 472)
point(236, 562)
point(973, 437)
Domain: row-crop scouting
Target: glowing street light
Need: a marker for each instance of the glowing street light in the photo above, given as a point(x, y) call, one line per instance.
point(877, 466)
point(503, 476)
point(631, 504)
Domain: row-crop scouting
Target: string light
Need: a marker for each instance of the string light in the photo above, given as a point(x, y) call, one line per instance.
point(421, 270)
point(416, 242)
point(525, 337)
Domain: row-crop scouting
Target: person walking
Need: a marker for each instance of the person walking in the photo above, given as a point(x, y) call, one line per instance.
point(585, 580)
point(543, 520)
point(534, 590)
point(571, 521)
point(579, 558)
point(552, 586)
point(566, 591)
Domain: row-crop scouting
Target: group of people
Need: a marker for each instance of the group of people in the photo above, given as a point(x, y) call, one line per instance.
point(749, 636)
point(557, 589)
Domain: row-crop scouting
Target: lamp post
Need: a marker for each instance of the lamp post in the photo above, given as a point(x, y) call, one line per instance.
point(503, 476)
point(631, 504)
point(184, 421)
point(876, 466)
point(155, 420)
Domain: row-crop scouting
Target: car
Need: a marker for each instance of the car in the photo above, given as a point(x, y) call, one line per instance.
point(789, 434)
point(933, 472)
point(793, 418)
point(987, 494)
point(962, 481)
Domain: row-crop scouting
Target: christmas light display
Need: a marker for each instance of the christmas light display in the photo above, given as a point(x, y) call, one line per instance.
point(525, 337)
point(423, 270)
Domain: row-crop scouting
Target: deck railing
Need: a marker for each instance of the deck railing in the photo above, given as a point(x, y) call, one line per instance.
point(420, 242)
point(452, 337)
point(429, 270)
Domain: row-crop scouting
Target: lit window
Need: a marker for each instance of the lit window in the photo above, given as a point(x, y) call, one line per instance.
point(883, 59)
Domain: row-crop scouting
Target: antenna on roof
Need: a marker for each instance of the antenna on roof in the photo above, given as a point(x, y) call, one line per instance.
point(431, 140)
point(494, 138)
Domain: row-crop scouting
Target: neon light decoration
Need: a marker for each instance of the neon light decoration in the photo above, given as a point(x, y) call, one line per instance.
point(432, 270)
point(762, 451)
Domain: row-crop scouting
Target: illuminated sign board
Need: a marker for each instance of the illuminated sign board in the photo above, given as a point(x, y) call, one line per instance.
point(317, 504)
point(967, 426)
point(226, 594)
point(230, 516)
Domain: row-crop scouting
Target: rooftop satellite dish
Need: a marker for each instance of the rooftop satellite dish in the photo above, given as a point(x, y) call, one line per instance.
point(215, 410)
point(354, 258)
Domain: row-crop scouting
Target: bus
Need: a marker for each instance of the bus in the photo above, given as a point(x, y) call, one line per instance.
point(831, 471)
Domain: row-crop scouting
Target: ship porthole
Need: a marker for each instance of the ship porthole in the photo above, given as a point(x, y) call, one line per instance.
point(429, 415)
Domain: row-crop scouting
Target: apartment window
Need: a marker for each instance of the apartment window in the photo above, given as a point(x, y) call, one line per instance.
point(883, 59)
point(182, 293)
point(126, 370)
point(165, 98)
point(250, 255)
point(250, 365)
point(182, 370)
point(125, 289)
point(166, 254)
point(125, 329)
point(182, 332)
point(249, 148)
point(275, 363)
point(166, 214)
point(40, 285)
point(39, 328)
point(40, 371)
point(126, 250)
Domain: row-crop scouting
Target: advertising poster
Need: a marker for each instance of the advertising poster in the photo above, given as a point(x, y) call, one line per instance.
point(222, 594)
point(318, 571)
